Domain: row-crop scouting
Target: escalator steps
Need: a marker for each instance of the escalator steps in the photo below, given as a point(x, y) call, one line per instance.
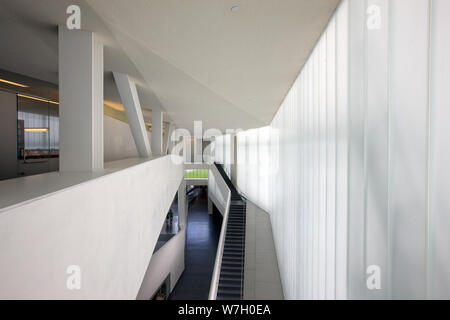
point(232, 267)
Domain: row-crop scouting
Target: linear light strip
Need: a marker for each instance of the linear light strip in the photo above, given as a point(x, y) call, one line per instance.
point(13, 83)
point(36, 130)
point(37, 99)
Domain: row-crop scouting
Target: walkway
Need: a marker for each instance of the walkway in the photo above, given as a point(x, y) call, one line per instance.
point(203, 232)
point(262, 276)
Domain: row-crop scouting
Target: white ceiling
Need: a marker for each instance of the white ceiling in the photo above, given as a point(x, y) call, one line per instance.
point(194, 59)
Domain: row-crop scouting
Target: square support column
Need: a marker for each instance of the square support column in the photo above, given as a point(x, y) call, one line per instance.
point(81, 101)
point(157, 136)
point(182, 207)
point(210, 207)
point(167, 140)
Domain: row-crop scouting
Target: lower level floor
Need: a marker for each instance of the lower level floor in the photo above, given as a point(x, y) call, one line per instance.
point(202, 237)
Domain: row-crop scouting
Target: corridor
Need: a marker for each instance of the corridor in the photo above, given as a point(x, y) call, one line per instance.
point(203, 233)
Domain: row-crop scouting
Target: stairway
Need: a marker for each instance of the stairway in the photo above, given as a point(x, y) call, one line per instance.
point(231, 282)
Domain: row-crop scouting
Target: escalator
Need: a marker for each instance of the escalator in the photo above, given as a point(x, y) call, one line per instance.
point(231, 282)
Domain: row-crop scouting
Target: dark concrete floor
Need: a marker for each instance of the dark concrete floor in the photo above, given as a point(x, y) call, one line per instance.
point(203, 232)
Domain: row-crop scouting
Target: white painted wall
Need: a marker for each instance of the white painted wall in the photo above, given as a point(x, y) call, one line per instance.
point(119, 143)
point(107, 225)
point(197, 182)
point(358, 172)
point(168, 260)
point(218, 191)
point(220, 194)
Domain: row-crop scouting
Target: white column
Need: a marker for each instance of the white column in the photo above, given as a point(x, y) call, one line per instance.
point(132, 105)
point(198, 149)
point(157, 137)
point(210, 207)
point(81, 101)
point(167, 141)
point(198, 142)
point(187, 149)
point(182, 212)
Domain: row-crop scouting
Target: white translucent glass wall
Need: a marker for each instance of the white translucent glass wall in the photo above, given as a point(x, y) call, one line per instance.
point(361, 145)
point(439, 173)
point(241, 158)
point(254, 165)
point(265, 167)
point(291, 168)
point(398, 113)
point(228, 156)
point(409, 107)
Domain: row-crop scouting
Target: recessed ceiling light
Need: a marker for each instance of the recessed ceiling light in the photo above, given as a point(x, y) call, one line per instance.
point(234, 8)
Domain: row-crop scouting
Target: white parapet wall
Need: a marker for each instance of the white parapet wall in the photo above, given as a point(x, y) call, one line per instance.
point(218, 191)
point(105, 225)
point(166, 263)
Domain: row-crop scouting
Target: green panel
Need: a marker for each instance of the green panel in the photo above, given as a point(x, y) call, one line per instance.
point(197, 174)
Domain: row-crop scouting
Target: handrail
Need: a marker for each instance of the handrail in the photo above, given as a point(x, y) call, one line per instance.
point(220, 246)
